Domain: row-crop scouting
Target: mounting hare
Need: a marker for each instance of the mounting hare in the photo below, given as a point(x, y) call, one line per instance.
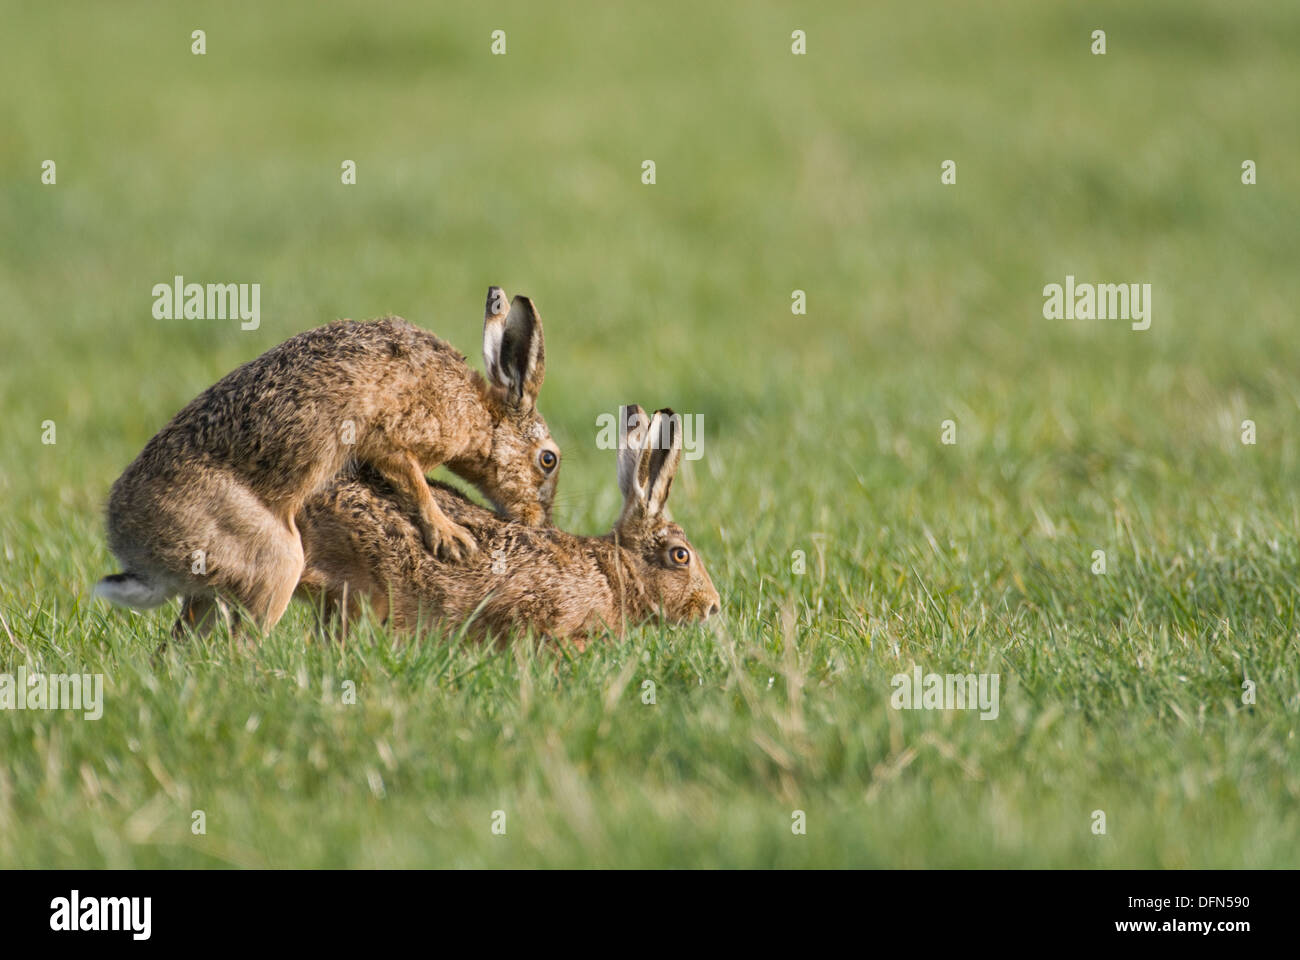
point(207, 509)
point(360, 542)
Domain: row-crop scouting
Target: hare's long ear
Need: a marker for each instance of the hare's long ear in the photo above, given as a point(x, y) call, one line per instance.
point(513, 351)
point(632, 427)
point(661, 457)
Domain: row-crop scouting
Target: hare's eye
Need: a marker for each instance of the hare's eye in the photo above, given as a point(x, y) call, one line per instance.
point(681, 556)
point(548, 460)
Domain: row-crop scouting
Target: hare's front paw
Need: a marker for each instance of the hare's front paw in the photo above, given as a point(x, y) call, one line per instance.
point(449, 541)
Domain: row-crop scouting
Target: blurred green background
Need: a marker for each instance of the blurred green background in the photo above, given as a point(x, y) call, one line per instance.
point(774, 172)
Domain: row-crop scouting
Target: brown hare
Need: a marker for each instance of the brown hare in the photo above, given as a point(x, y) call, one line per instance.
point(361, 543)
point(208, 509)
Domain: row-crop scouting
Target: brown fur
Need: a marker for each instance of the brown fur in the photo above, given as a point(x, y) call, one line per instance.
point(361, 544)
point(230, 472)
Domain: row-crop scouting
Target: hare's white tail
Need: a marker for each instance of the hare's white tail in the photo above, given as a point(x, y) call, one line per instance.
point(132, 590)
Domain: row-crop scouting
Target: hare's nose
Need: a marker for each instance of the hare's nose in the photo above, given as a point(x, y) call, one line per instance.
point(714, 609)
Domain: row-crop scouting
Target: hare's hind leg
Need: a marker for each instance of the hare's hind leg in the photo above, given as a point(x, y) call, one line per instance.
point(197, 617)
point(200, 613)
point(254, 558)
point(279, 565)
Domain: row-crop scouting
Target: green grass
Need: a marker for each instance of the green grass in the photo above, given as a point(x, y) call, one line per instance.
point(1120, 692)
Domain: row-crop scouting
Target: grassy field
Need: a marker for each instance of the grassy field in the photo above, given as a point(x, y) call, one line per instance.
point(1120, 692)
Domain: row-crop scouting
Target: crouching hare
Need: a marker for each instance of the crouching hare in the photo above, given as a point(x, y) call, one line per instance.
point(360, 543)
point(208, 509)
